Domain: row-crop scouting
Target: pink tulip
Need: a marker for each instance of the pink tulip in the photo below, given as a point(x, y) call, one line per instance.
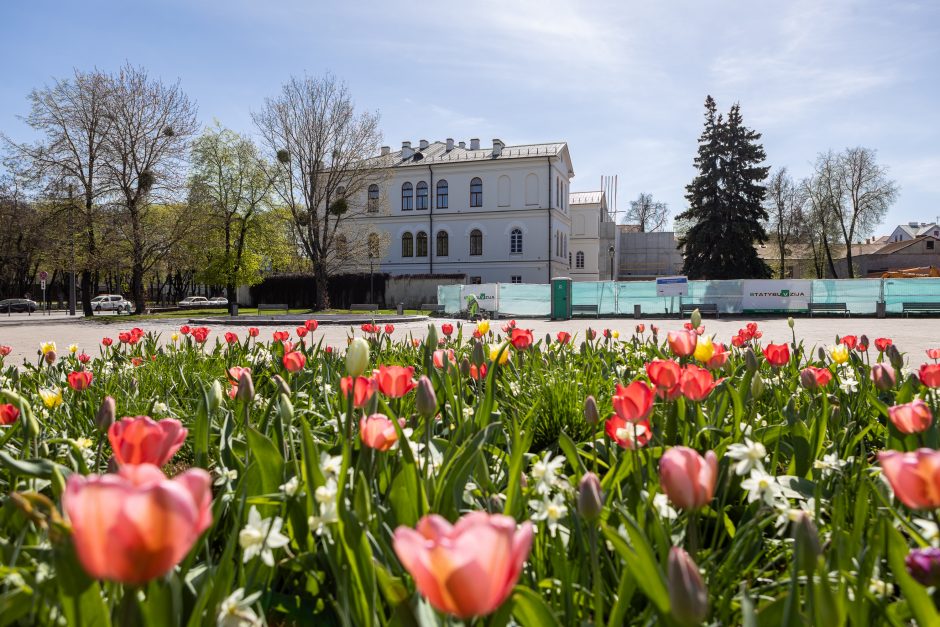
point(914, 477)
point(136, 525)
point(688, 479)
point(467, 569)
point(913, 417)
point(378, 432)
point(142, 440)
point(682, 343)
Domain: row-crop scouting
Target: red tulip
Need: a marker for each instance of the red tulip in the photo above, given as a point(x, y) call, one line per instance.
point(84, 357)
point(378, 432)
point(914, 477)
point(106, 341)
point(696, 383)
point(235, 373)
point(933, 353)
point(184, 329)
point(362, 389)
point(468, 569)
point(665, 374)
point(719, 357)
point(777, 354)
point(812, 377)
point(301, 331)
point(640, 329)
point(200, 334)
point(521, 338)
point(294, 361)
point(311, 325)
point(280, 336)
point(849, 340)
point(563, 337)
point(5, 350)
point(137, 361)
point(231, 338)
point(80, 380)
point(882, 343)
point(395, 381)
point(687, 478)
point(590, 334)
point(126, 338)
point(368, 328)
point(136, 525)
point(437, 357)
point(389, 329)
point(253, 331)
point(477, 373)
point(682, 343)
point(697, 330)
point(913, 417)
point(634, 402)
point(8, 414)
point(142, 440)
point(447, 329)
point(628, 435)
point(930, 375)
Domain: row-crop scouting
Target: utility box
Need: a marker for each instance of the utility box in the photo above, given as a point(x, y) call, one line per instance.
point(561, 298)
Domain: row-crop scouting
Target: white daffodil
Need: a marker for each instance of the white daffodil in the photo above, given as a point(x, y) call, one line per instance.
point(290, 488)
point(749, 456)
point(848, 385)
point(325, 496)
point(761, 486)
point(830, 463)
point(545, 472)
point(261, 536)
point(663, 508)
point(235, 610)
point(330, 465)
point(551, 510)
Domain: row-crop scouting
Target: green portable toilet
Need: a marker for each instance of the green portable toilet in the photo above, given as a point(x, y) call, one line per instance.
point(561, 298)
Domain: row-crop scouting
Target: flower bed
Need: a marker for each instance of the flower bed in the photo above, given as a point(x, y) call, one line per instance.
point(481, 475)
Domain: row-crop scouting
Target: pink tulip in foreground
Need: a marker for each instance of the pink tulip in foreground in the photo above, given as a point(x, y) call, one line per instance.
point(378, 432)
point(913, 417)
point(688, 479)
point(142, 440)
point(467, 569)
point(914, 477)
point(136, 525)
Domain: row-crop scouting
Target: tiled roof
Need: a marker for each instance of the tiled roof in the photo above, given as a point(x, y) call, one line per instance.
point(897, 246)
point(437, 153)
point(585, 198)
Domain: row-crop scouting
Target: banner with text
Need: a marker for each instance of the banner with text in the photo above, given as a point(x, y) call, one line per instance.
point(486, 295)
point(778, 294)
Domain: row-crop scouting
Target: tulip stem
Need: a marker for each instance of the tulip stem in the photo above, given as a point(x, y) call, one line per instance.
point(692, 533)
point(596, 576)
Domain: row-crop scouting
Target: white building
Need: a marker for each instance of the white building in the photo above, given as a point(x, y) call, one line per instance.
point(497, 214)
point(913, 230)
point(593, 247)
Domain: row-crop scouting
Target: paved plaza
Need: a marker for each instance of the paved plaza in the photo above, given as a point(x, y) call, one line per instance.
point(913, 336)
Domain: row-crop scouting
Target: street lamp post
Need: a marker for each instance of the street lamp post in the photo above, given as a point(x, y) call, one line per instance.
point(610, 252)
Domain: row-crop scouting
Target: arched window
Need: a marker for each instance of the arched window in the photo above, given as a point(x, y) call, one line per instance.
point(441, 194)
point(407, 197)
point(421, 244)
point(422, 199)
point(342, 247)
point(407, 245)
point(373, 204)
point(442, 244)
point(515, 242)
point(579, 260)
point(532, 189)
point(374, 246)
point(476, 192)
point(476, 242)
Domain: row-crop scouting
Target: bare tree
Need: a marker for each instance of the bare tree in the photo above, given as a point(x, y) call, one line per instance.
point(70, 116)
point(784, 202)
point(823, 192)
point(648, 214)
point(146, 145)
point(230, 181)
point(322, 148)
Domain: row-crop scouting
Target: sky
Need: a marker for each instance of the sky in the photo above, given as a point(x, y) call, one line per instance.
point(622, 82)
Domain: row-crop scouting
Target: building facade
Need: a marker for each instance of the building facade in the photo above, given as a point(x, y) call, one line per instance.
point(593, 247)
point(497, 214)
point(645, 255)
point(912, 230)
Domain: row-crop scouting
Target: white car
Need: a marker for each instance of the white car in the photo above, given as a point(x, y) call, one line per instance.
point(110, 302)
point(194, 301)
point(218, 301)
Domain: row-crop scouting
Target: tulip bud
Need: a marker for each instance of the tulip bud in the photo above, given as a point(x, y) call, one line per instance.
point(882, 375)
point(924, 566)
point(425, 398)
point(791, 322)
point(215, 396)
point(894, 356)
point(688, 596)
point(282, 386)
point(357, 357)
point(106, 413)
point(696, 319)
point(590, 497)
point(479, 358)
point(286, 409)
point(806, 538)
point(750, 360)
point(808, 379)
point(757, 386)
point(863, 340)
point(246, 387)
point(465, 367)
point(432, 336)
point(591, 414)
point(49, 356)
point(821, 353)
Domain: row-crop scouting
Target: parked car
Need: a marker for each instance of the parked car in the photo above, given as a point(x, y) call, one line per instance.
point(110, 302)
point(218, 301)
point(194, 301)
point(18, 305)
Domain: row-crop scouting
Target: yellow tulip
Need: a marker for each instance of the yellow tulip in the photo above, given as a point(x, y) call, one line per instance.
point(483, 327)
point(47, 347)
point(175, 337)
point(704, 349)
point(615, 334)
point(494, 352)
point(839, 353)
point(73, 348)
point(51, 398)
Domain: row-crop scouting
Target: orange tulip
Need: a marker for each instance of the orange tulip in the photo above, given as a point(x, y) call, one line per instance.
point(913, 417)
point(914, 477)
point(696, 383)
point(682, 343)
point(777, 354)
point(687, 478)
point(467, 569)
point(665, 374)
point(395, 381)
point(142, 440)
point(362, 389)
point(634, 402)
point(136, 525)
point(378, 432)
point(294, 361)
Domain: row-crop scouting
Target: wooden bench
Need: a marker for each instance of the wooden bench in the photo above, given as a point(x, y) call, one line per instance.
point(919, 307)
point(267, 307)
point(432, 307)
point(703, 308)
point(363, 307)
point(828, 308)
point(585, 309)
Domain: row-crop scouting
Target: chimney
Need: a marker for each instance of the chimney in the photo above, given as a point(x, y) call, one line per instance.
point(406, 151)
point(450, 144)
point(386, 150)
point(462, 144)
point(423, 144)
point(474, 143)
point(497, 147)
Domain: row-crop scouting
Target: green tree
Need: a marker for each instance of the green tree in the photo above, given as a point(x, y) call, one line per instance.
point(726, 212)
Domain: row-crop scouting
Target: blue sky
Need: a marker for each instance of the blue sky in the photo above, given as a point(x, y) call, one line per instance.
point(622, 82)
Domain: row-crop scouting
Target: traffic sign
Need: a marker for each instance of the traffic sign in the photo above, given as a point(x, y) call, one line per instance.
point(42, 285)
point(43, 276)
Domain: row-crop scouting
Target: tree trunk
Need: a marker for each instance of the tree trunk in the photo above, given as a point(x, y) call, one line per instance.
point(783, 259)
point(848, 260)
point(323, 297)
point(832, 266)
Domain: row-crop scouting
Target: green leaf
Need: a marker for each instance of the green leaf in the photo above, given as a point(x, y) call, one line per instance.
point(530, 609)
point(641, 560)
point(918, 600)
point(39, 468)
point(268, 462)
point(82, 602)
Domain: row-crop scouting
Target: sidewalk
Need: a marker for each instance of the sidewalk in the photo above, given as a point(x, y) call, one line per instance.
point(54, 317)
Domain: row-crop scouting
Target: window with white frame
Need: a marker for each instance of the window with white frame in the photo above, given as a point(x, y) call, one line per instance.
point(515, 241)
point(579, 260)
point(422, 196)
point(515, 279)
point(407, 197)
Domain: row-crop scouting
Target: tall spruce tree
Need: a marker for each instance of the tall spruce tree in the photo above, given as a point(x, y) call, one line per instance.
point(726, 201)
